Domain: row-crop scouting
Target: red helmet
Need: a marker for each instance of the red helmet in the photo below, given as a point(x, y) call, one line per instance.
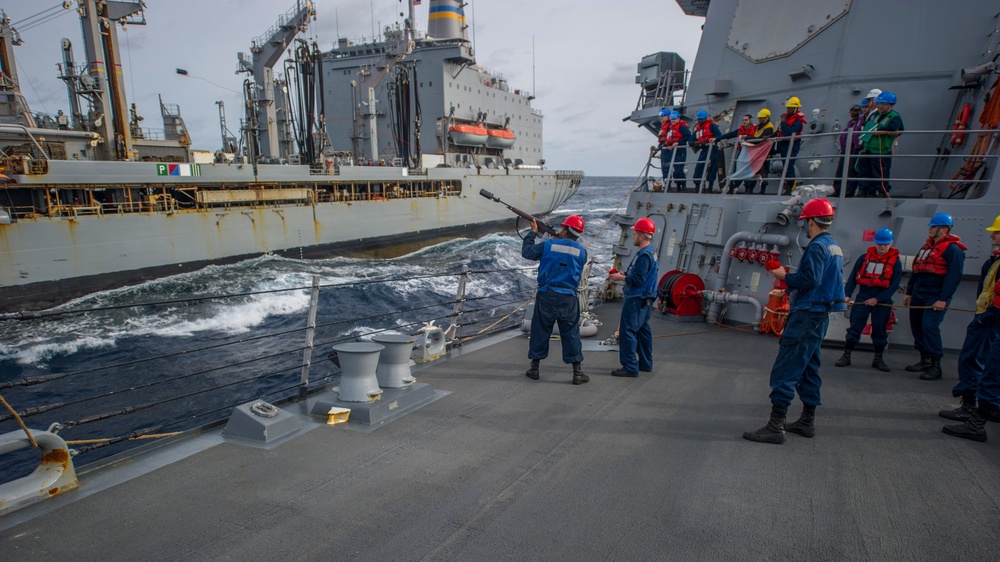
point(575, 222)
point(644, 225)
point(816, 208)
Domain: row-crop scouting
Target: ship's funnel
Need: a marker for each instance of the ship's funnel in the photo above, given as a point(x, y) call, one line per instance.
point(446, 20)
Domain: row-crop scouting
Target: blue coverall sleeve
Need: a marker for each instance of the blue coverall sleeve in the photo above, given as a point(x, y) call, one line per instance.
point(530, 250)
point(730, 135)
point(897, 277)
point(956, 265)
point(852, 278)
point(685, 135)
point(714, 129)
point(810, 268)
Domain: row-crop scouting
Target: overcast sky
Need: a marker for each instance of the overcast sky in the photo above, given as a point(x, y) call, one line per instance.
point(585, 56)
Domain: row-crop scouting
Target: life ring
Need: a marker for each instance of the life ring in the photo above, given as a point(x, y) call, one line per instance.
point(961, 124)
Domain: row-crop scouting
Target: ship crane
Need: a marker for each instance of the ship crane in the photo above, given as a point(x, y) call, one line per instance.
point(266, 50)
point(107, 94)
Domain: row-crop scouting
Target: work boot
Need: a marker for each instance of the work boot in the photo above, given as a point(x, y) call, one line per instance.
point(963, 412)
point(532, 372)
point(773, 432)
point(578, 376)
point(806, 424)
point(845, 359)
point(879, 363)
point(623, 373)
point(933, 372)
point(974, 428)
point(920, 366)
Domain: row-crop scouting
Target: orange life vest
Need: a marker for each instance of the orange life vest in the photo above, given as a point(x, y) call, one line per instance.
point(665, 132)
point(703, 131)
point(877, 270)
point(930, 258)
point(671, 134)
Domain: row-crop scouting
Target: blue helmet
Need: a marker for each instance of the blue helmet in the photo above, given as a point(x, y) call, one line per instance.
point(883, 236)
point(664, 112)
point(675, 114)
point(941, 219)
point(702, 114)
point(886, 97)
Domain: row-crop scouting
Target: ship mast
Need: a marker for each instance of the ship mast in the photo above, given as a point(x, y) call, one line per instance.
point(101, 43)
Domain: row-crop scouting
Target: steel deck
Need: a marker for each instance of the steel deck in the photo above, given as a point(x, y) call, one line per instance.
point(504, 467)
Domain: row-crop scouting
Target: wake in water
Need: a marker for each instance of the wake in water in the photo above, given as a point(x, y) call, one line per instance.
point(191, 360)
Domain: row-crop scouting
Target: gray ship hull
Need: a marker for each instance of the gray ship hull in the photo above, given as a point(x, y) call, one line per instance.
point(45, 260)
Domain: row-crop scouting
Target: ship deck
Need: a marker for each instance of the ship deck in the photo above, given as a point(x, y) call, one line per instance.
point(503, 467)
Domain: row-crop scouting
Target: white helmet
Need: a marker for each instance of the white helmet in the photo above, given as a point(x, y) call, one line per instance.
point(873, 93)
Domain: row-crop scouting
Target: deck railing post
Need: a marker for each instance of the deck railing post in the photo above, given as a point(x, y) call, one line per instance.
point(310, 333)
point(459, 310)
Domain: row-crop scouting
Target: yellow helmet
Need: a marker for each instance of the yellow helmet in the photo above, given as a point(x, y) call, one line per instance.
point(763, 113)
point(996, 225)
point(793, 102)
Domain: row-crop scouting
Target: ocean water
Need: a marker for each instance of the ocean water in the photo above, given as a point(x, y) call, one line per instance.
point(188, 362)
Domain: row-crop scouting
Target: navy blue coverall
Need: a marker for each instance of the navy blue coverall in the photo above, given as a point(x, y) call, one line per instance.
point(788, 126)
point(677, 152)
point(815, 290)
point(634, 335)
point(561, 265)
point(711, 152)
point(972, 358)
point(989, 386)
point(927, 288)
point(879, 313)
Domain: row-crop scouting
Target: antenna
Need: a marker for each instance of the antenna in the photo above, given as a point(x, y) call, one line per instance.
point(473, 26)
point(371, 4)
point(533, 90)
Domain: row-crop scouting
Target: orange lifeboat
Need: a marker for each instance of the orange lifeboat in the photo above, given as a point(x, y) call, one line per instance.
point(468, 135)
point(500, 138)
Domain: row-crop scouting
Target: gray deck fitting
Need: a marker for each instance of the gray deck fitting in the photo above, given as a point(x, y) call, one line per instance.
point(394, 403)
point(247, 427)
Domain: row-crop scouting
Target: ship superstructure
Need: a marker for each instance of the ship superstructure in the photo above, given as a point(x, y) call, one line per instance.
point(94, 200)
point(756, 55)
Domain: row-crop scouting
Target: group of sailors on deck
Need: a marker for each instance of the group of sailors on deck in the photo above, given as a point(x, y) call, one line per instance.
point(872, 129)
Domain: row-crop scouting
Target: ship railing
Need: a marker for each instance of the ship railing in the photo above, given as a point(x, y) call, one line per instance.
point(104, 409)
point(148, 134)
point(923, 164)
point(664, 93)
point(74, 210)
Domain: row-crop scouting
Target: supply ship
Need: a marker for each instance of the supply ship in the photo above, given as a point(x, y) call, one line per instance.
point(365, 146)
point(713, 241)
point(498, 466)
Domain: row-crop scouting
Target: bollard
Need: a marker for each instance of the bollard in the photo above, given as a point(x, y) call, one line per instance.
point(358, 363)
point(394, 361)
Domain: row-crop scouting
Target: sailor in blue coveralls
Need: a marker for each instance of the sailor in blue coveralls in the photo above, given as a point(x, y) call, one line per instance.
point(635, 338)
point(937, 271)
point(878, 273)
point(988, 391)
point(972, 358)
point(561, 265)
point(815, 290)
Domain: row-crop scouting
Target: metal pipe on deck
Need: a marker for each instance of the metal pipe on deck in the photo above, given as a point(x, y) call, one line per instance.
point(726, 263)
point(717, 299)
